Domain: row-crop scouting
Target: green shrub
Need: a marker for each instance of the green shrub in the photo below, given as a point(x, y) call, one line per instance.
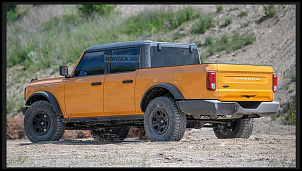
point(14, 105)
point(202, 57)
point(14, 12)
point(9, 106)
point(186, 14)
point(225, 39)
point(11, 14)
point(269, 11)
point(45, 62)
point(243, 13)
point(224, 43)
point(204, 23)
point(219, 8)
point(274, 117)
point(239, 41)
point(248, 39)
point(212, 49)
point(65, 21)
point(11, 7)
point(175, 37)
point(20, 55)
point(245, 24)
point(289, 118)
point(149, 22)
point(228, 21)
point(228, 43)
point(89, 9)
point(209, 40)
point(293, 76)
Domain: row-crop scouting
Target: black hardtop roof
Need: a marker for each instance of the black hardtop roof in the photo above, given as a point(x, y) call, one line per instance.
point(130, 44)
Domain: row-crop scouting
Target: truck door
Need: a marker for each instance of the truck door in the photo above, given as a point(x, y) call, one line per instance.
point(119, 87)
point(84, 90)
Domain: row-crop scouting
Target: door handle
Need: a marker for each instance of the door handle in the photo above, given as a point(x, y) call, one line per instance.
point(96, 83)
point(127, 81)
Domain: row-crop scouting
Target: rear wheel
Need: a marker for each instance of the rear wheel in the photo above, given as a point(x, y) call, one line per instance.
point(42, 123)
point(239, 128)
point(109, 134)
point(163, 121)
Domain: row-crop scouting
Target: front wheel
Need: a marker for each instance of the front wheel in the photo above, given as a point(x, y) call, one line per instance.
point(163, 121)
point(42, 123)
point(239, 128)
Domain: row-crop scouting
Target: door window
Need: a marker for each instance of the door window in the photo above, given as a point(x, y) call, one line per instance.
point(123, 60)
point(92, 64)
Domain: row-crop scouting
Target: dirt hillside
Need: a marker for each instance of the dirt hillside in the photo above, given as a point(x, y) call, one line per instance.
point(275, 43)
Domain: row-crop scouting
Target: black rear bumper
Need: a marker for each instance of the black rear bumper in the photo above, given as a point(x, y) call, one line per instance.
point(217, 109)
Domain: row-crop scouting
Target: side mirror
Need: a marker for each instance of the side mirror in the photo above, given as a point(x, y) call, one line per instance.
point(64, 71)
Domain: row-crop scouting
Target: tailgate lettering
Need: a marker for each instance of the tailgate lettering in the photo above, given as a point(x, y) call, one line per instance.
point(252, 79)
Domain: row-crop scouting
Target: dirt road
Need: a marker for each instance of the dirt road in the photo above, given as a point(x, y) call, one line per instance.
point(271, 145)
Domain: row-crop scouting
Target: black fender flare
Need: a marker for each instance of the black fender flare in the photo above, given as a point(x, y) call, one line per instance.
point(174, 90)
point(54, 103)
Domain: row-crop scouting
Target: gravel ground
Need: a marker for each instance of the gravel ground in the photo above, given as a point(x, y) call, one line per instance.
point(271, 145)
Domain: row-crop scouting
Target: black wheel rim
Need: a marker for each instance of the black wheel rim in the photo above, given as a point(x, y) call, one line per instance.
point(41, 123)
point(160, 121)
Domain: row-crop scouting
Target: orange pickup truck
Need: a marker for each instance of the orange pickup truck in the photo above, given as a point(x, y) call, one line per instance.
point(159, 86)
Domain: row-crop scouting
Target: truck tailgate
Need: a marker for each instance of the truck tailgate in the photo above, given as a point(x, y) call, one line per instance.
point(244, 82)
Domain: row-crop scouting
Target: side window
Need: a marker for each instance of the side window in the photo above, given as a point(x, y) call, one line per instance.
point(123, 60)
point(173, 56)
point(92, 64)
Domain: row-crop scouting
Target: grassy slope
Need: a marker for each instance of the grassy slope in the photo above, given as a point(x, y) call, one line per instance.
point(64, 43)
point(39, 50)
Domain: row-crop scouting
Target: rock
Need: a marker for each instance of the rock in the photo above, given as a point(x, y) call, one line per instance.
point(15, 128)
point(138, 132)
point(74, 134)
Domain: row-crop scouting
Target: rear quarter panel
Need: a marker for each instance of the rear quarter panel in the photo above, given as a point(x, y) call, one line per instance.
point(189, 79)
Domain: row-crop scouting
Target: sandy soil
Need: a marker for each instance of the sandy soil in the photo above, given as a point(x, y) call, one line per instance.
point(271, 145)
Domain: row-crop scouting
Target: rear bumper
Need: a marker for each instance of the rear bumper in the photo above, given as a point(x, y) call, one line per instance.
point(215, 109)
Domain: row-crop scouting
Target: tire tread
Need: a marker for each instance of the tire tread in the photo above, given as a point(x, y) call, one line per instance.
point(59, 131)
point(180, 119)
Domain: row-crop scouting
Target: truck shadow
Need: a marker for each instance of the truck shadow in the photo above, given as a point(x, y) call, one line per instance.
point(84, 142)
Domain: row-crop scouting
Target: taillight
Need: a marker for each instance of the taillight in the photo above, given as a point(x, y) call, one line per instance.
point(211, 80)
point(275, 85)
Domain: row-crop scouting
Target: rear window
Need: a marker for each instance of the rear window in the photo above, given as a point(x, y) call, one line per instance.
point(173, 56)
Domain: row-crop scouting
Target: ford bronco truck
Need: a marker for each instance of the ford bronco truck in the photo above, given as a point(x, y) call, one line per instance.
point(159, 86)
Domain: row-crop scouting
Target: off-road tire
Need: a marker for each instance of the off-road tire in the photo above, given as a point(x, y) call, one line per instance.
point(109, 134)
point(170, 126)
point(55, 127)
point(244, 129)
